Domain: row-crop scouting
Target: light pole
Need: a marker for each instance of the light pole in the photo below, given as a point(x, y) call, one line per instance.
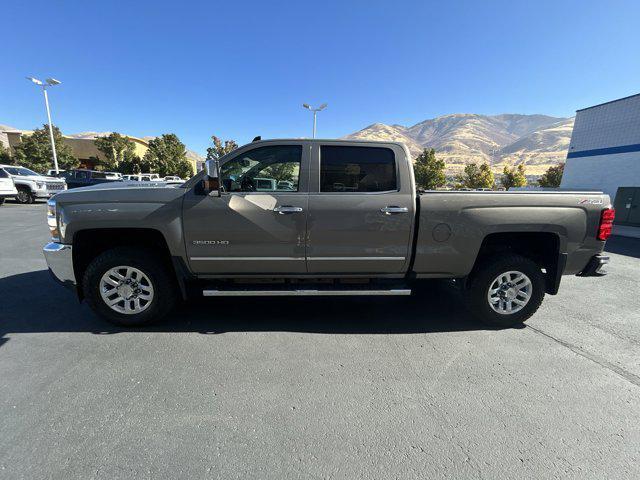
point(315, 113)
point(50, 82)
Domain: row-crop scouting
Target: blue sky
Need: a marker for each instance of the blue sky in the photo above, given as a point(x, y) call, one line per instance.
point(239, 69)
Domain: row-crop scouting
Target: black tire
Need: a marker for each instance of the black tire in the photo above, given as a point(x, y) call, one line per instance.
point(483, 279)
point(2, 199)
point(148, 262)
point(24, 195)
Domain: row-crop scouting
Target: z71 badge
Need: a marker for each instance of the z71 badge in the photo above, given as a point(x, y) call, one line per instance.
point(591, 201)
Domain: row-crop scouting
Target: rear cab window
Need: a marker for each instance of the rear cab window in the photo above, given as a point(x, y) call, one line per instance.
point(354, 169)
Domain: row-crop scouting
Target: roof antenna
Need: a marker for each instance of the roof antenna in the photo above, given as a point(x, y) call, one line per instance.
point(256, 139)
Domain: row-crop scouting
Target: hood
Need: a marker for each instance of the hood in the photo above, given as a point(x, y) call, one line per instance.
point(121, 192)
point(37, 178)
point(125, 185)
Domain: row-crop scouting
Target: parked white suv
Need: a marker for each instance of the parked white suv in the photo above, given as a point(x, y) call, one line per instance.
point(31, 185)
point(7, 187)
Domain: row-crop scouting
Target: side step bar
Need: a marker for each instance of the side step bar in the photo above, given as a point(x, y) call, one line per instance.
point(302, 293)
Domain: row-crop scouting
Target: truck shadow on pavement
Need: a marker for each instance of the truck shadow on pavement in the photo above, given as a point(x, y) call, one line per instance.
point(33, 303)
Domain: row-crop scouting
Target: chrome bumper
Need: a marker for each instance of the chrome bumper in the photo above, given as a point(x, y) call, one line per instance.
point(60, 261)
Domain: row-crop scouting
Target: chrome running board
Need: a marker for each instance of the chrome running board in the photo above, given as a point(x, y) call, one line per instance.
point(302, 293)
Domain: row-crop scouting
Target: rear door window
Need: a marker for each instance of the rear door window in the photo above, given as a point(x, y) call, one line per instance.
point(357, 169)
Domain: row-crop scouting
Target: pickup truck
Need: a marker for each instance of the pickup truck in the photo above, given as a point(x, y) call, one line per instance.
point(31, 186)
point(341, 218)
point(78, 178)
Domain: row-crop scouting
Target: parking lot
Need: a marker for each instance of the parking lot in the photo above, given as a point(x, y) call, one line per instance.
point(316, 388)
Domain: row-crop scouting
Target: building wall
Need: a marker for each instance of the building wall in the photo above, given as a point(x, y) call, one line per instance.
point(603, 172)
point(604, 152)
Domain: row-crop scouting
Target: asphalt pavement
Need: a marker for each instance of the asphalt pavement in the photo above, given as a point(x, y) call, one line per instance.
point(344, 388)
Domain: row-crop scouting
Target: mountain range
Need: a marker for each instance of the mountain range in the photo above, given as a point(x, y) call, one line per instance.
point(538, 141)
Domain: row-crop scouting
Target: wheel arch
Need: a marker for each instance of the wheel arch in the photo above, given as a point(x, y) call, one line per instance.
point(89, 243)
point(544, 248)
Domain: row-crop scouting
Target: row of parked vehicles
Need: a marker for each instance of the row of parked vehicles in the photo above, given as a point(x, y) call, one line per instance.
point(27, 186)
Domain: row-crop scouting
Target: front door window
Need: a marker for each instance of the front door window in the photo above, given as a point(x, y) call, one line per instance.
point(264, 169)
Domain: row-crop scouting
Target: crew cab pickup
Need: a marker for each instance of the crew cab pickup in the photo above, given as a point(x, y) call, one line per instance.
point(31, 186)
point(339, 218)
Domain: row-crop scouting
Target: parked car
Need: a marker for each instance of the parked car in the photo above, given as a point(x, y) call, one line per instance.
point(85, 178)
point(143, 177)
point(31, 185)
point(7, 187)
point(173, 178)
point(136, 250)
point(113, 175)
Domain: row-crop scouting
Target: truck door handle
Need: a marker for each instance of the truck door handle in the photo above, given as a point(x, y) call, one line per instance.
point(390, 210)
point(283, 210)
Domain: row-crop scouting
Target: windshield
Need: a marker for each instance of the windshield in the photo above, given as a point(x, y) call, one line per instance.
point(20, 171)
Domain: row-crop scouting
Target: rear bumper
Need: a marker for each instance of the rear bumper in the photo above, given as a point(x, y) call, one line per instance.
point(60, 261)
point(595, 267)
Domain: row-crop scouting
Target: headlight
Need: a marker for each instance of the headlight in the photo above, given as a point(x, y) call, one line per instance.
point(52, 220)
point(40, 185)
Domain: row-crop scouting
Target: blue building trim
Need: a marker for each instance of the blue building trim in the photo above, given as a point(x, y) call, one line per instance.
point(605, 151)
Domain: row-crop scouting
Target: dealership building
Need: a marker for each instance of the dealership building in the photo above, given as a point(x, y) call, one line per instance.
point(604, 154)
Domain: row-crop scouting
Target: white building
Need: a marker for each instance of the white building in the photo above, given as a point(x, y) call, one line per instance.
point(604, 154)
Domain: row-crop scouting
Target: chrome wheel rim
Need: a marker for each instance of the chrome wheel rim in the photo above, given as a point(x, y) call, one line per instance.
point(509, 292)
point(126, 290)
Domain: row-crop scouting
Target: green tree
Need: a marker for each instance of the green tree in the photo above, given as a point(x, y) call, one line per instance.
point(131, 165)
point(475, 176)
point(5, 157)
point(429, 170)
point(116, 149)
point(281, 171)
point(34, 151)
point(513, 177)
point(220, 148)
point(552, 177)
point(167, 155)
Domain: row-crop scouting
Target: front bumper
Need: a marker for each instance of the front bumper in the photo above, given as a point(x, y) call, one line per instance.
point(47, 193)
point(60, 261)
point(595, 267)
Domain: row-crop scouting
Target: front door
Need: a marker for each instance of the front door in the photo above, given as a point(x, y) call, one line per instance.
point(360, 214)
point(258, 225)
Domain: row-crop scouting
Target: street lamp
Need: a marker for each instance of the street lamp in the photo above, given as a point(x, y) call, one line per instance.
point(49, 82)
point(315, 113)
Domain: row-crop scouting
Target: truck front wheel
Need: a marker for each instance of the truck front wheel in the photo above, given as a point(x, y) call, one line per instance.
point(505, 290)
point(24, 195)
point(129, 287)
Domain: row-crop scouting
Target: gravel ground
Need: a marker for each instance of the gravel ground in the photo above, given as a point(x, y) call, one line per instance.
point(309, 388)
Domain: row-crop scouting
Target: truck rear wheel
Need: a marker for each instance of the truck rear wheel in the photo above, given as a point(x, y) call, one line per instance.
point(129, 287)
point(505, 290)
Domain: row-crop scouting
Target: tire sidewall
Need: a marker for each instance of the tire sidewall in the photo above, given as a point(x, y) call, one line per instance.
point(163, 298)
point(487, 274)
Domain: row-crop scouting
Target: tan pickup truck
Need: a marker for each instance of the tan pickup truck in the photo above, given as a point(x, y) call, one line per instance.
point(318, 217)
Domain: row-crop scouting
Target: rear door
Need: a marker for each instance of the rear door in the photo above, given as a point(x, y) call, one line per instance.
point(361, 209)
point(258, 225)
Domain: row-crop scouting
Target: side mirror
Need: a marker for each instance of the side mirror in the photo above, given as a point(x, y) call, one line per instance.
point(212, 182)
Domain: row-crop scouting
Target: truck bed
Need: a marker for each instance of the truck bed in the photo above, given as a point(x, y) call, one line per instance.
point(452, 226)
